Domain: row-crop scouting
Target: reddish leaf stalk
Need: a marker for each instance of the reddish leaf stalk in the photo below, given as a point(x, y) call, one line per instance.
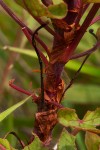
point(21, 23)
point(2, 147)
point(95, 20)
point(80, 13)
point(75, 131)
point(86, 52)
point(21, 90)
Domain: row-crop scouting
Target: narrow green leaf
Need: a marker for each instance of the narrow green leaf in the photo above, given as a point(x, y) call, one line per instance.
point(66, 141)
point(87, 69)
point(38, 9)
point(91, 1)
point(73, 64)
point(36, 144)
point(27, 52)
point(4, 143)
point(4, 114)
point(92, 141)
point(85, 96)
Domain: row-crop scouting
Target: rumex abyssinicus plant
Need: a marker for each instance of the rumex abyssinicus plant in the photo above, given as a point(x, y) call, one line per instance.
point(65, 18)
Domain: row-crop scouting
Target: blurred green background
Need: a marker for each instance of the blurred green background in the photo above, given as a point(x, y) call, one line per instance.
point(83, 95)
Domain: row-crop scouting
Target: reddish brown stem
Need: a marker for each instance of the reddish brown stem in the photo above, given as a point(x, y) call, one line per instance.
point(81, 32)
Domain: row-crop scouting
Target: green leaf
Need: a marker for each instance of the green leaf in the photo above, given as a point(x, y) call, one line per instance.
point(4, 114)
point(38, 9)
point(87, 69)
point(28, 52)
point(86, 96)
point(92, 141)
point(92, 118)
point(66, 141)
point(5, 144)
point(68, 117)
point(36, 144)
point(91, 1)
point(58, 11)
point(73, 64)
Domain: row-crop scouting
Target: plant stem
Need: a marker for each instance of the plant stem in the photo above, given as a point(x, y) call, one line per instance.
point(81, 32)
point(75, 132)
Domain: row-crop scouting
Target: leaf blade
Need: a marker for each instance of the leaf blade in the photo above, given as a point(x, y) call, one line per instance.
point(92, 141)
point(36, 144)
point(38, 9)
point(66, 141)
point(67, 117)
point(5, 113)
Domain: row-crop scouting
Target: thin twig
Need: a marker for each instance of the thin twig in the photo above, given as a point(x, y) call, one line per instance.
point(75, 76)
point(13, 133)
point(81, 32)
point(89, 51)
point(91, 31)
point(40, 63)
point(24, 29)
